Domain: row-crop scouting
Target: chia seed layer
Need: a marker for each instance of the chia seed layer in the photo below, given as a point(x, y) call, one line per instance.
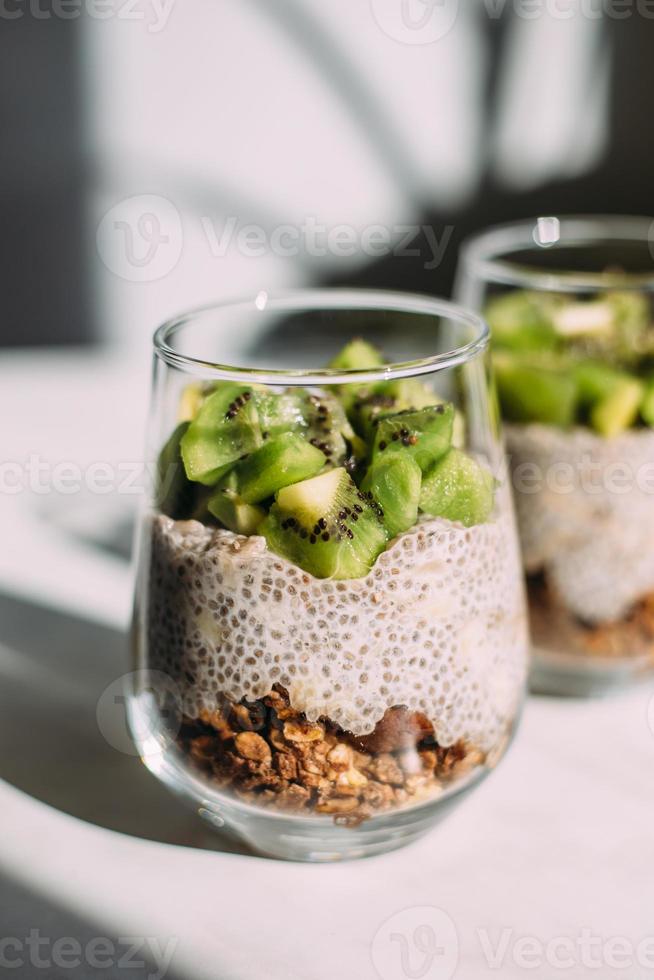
point(588, 525)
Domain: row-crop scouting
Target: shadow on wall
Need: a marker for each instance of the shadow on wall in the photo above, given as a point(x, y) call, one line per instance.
point(46, 294)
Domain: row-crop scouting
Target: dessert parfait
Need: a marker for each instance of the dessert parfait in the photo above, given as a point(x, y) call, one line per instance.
point(575, 375)
point(333, 594)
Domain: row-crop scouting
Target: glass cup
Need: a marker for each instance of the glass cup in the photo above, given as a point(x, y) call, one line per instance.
point(569, 303)
point(330, 626)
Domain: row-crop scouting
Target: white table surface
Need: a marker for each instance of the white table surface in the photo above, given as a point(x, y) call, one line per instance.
point(552, 856)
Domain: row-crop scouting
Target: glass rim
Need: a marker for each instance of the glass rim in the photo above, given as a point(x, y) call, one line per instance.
point(482, 254)
point(327, 299)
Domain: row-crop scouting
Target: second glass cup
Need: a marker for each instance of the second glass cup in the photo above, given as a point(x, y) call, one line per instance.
point(330, 625)
point(569, 303)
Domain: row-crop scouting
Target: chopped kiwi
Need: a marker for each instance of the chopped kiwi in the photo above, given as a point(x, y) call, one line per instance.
point(618, 409)
point(238, 446)
point(357, 355)
point(459, 489)
point(231, 510)
point(225, 429)
point(191, 401)
point(426, 435)
point(279, 462)
point(367, 407)
point(521, 320)
point(394, 481)
point(613, 398)
point(327, 526)
point(320, 418)
point(387, 398)
point(647, 405)
point(328, 427)
point(595, 380)
point(175, 495)
point(174, 492)
point(535, 393)
point(282, 412)
point(633, 333)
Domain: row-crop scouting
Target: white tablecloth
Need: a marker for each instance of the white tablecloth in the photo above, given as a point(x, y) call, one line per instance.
point(545, 870)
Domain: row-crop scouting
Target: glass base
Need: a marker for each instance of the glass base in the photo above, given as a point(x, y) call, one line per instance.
point(576, 676)
point(287, 836)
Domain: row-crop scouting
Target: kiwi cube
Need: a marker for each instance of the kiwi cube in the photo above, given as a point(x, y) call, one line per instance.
point(357, 355)
point(173, 490)
point(459, 489)
point(619, 408)
point(647, 405)
point(176, 495)
point(319, 417)
point(232, 511)
point(280, 412)
point(522, 320)
point(426, 435)
point(279, 462)
point(393, 482)
point(225, 429)
point(533, 393)
point(595, 380)
point(326, 526)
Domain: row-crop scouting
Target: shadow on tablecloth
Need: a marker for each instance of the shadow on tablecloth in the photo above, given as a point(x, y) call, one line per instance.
point(53, 669)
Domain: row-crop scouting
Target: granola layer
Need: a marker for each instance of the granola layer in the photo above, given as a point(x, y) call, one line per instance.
point(554, 628)
point(269, 754)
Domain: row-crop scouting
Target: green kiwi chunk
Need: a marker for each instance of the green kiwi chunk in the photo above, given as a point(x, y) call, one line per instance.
point(173, 490)
point(425, 435)
point(522, 320)
point(531, 392)
point(357, 355)
point(647, 405)
point(394, 482)
point(613, 398)
point(280, 412)
point(279, 462)
point(175, 495)
point(319, 417)
point(232, 511)
point(387, 398)
point(618, 409)
point(327, 526)
point(225, 429)
point(595, 380)
point(191, 399)
point(459, 489)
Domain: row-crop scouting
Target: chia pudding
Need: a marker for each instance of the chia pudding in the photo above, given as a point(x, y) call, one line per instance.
point(343, 628)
